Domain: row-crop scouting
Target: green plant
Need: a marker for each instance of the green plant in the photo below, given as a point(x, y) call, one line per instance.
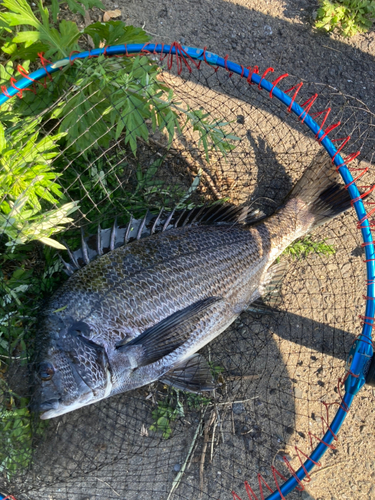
point(15, 452)
point(22, 288)
point(212, 132)
point(16, 432)
point(348, 16)
point(305, 246)
point(165, 413)
point(196, 401)
point(171, 408)
point(26, 181)
point(131, 86)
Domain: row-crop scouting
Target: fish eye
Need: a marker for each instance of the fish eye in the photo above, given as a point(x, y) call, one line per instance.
point(46, 371)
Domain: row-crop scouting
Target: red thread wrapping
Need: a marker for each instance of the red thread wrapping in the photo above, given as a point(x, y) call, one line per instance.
point(276, 82)
point(4, 91)
point(364, 195)
point(345, 141)
point(268, 70)
point(327, 112)
point(226, 65)
point(298, 88)
point(328, 130)
point(253, 70)
point(348, 159)
point(70, 56)
point(366, 319)
point(308, 105)
point(43, 62)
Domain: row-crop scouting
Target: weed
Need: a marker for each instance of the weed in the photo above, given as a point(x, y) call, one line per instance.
point(305, 246)
point(348, 16)
point(171, 408)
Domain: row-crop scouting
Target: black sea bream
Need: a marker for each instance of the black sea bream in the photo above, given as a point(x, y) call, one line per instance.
point(141, 312)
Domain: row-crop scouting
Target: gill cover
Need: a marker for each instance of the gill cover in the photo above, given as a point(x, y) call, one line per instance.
point(87, 358)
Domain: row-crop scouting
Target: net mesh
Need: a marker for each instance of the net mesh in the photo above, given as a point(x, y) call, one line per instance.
point(275, 369)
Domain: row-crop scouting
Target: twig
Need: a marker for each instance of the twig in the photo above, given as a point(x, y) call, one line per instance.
point(109, 486)
point(326, 468)
point(178, 478)
point(273, 460)
point(203, 456)
point(220, 423)
point(331, 48)
point(213, 441)
point(10, 357)
point(244, 377)
point(233, 402)
point(233, 430)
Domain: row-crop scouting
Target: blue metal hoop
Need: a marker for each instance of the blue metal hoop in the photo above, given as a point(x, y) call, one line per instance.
point(362, 350)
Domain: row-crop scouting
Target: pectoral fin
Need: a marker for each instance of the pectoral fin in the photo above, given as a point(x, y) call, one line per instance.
point(193, 375)
point(173, 331)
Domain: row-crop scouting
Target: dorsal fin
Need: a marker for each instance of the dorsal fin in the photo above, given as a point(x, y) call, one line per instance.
point(107, 240)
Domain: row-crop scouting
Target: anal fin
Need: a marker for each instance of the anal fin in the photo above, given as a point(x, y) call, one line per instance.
point(193, 375)
point(271, 285)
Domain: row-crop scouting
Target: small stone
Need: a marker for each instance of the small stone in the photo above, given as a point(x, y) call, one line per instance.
point(241, 119)
point(267, 30)
point(298, 393)
point(177, 468)
point(238, 408)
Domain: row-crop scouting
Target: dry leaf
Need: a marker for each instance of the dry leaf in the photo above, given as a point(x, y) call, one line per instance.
point(111, 14)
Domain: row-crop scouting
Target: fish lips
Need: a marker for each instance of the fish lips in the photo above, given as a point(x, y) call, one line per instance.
point(52, 404)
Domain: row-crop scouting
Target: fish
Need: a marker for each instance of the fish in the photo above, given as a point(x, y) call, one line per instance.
point(139, 307)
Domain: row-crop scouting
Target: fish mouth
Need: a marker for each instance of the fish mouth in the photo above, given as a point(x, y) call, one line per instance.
point(48, 408)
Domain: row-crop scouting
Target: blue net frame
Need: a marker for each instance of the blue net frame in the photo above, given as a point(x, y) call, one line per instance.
point(362, 350)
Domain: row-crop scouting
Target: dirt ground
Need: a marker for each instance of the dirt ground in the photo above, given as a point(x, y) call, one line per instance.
point(293, 359)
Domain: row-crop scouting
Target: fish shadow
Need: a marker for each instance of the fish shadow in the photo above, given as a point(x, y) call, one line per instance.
point(273, 181)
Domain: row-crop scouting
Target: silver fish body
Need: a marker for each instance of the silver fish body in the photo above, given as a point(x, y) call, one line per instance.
point(142, 311)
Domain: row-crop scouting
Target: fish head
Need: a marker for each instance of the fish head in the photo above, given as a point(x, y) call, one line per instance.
point(70, 370)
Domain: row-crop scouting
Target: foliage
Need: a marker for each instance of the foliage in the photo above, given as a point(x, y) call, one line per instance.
point(305, 246)
point(22, 288)
point(348, 16)
point(16, 432)
point(15, 452)
point(196, 401)
point(212, 132)
point(165, 413)
point(171, 408)
point(26, 180)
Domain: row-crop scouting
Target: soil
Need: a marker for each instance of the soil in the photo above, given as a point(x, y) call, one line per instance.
point(279, 368)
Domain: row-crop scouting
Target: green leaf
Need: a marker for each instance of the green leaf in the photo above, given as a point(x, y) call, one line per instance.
point(2, 138)
point(115, 33)
point(27, 36)
point(52, 243)
point(55, 9)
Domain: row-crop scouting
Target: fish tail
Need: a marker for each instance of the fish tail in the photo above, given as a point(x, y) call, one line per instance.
point(320, 191)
